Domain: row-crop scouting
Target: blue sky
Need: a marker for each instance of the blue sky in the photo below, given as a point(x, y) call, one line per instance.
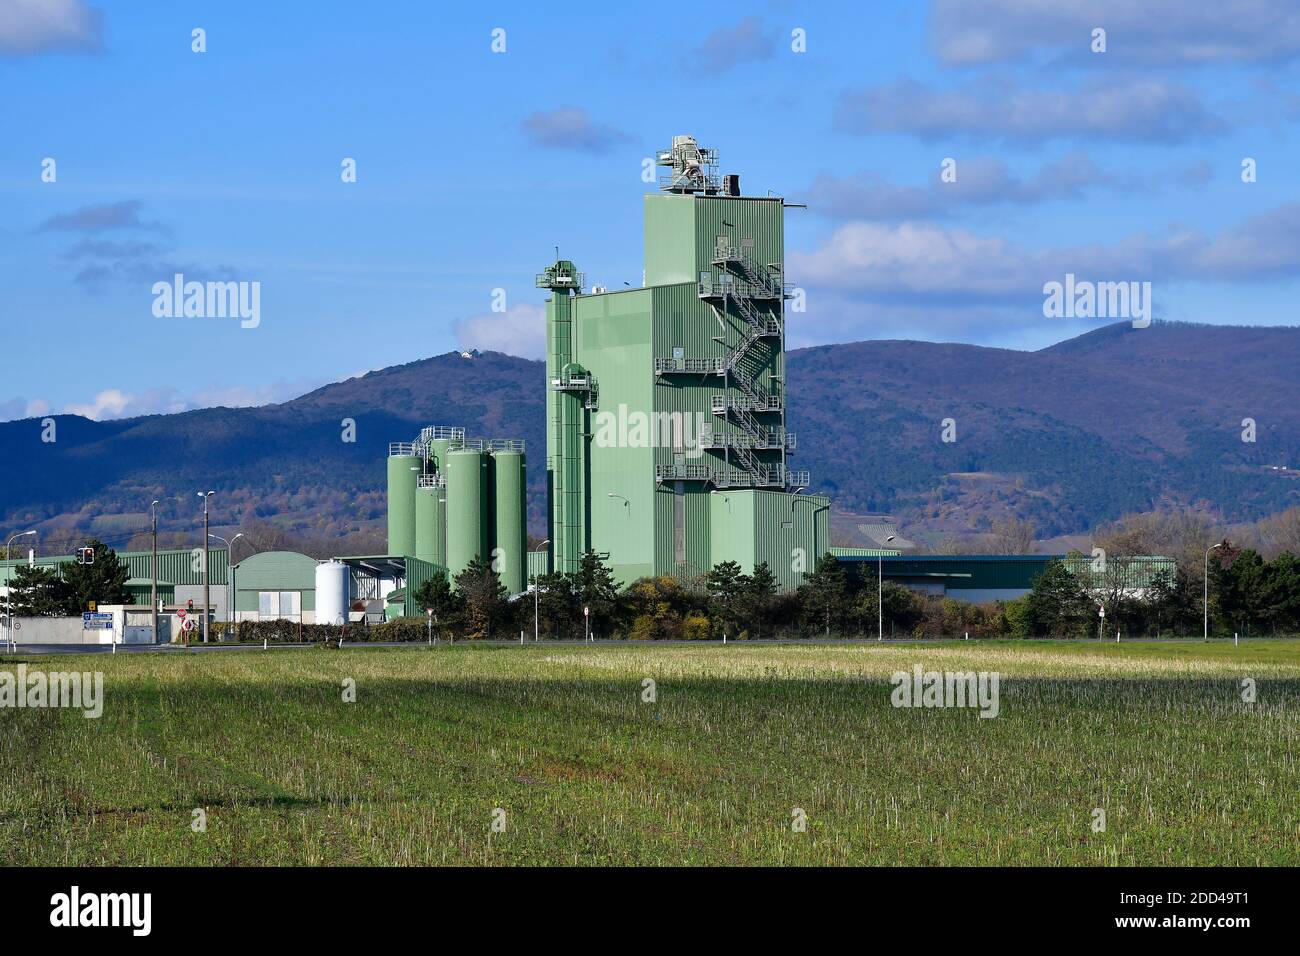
point(473, 165)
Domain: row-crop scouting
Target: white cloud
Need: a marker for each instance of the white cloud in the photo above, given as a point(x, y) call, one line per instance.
point(43, 26)
point(922, 280)
point(520, 330)
point(925, 259)
point(1143, 110)
point(572, 128)
point(980, 181)
point(746, 40)
point(111, 403)
point(972, 32)
point(19, 407)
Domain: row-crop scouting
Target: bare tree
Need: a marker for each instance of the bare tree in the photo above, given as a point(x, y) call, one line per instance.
point(1013, 536)
point(1280, 532)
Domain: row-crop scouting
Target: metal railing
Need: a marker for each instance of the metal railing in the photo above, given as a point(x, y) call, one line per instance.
point(721, 404)
point(560, 280)
point(706, 182)
point(431, 481)
point(683, 472)
point(441, 433)
point(774, 438)
point(403, 449)
point(575, 383)
point(726, 285)
point(703, 366)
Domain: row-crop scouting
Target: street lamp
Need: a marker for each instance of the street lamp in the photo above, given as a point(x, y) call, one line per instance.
point(205, 497)
point(153, 567)
point(535, 590)
point(1206, 597)
point(231, 610)
point(229, 570)
point(610, 494)
point(880, 590)
point(9, 589)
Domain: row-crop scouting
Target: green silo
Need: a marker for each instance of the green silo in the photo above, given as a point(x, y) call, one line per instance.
point(431, 521)
point(443, 438)
point(509, 517)
point(403, 475)
point(468, 508)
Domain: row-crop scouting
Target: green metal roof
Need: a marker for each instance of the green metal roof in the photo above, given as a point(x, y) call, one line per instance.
point(175, 566)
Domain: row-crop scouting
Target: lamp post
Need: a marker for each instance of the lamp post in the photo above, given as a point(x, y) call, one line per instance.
point(1206, 597)
point(233, 599)
point(535, 590)
point(880, 590)
point(9, 590)
point(229, 569)
point(206, 606)
point(153, 567)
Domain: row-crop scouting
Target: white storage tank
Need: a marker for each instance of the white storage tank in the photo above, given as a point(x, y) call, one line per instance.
point(332, 602)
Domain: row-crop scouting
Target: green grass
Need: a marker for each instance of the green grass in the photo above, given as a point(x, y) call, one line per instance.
point(288, 773)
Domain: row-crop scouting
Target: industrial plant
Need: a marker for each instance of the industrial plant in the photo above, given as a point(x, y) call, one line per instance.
point(667, 448)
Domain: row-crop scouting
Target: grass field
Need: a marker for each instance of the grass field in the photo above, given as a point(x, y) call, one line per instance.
point(1156, 735)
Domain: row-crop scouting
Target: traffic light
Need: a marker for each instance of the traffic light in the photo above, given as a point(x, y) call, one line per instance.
point(85, 555)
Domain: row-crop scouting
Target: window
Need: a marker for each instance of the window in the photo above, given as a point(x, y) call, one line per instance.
point(279, 605)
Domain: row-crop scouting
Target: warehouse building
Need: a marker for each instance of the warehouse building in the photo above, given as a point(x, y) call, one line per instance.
point(997, 577)
point(180, 575)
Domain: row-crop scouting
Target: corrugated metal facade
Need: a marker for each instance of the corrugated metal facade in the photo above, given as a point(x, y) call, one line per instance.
point(647, 487)
point(174, 566)
point(275, 571)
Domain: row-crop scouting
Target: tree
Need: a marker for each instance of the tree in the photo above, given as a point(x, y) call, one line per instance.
point(824, 594)
point(594, 588)
point(38, 592)
point(558, 609)
point(487, 601)
point(1013, 536)
point(657, 606)
point(756, 600)
point(436, 595)
point(103, 582)
point(903, 608)
point(726, 586)
point(1057, 604)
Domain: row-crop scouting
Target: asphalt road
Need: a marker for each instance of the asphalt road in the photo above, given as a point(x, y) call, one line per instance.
point(24, 650)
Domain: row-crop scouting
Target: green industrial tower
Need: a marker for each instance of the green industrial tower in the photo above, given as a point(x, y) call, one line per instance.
point(666, 442)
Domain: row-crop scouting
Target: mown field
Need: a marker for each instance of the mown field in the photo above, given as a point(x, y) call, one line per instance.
point(586, 772)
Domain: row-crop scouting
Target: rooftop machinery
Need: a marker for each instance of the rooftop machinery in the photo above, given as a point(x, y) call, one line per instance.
point(667, 450)
point(452, 499)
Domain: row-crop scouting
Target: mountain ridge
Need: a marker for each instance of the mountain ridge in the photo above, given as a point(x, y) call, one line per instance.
point(1111, 421)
